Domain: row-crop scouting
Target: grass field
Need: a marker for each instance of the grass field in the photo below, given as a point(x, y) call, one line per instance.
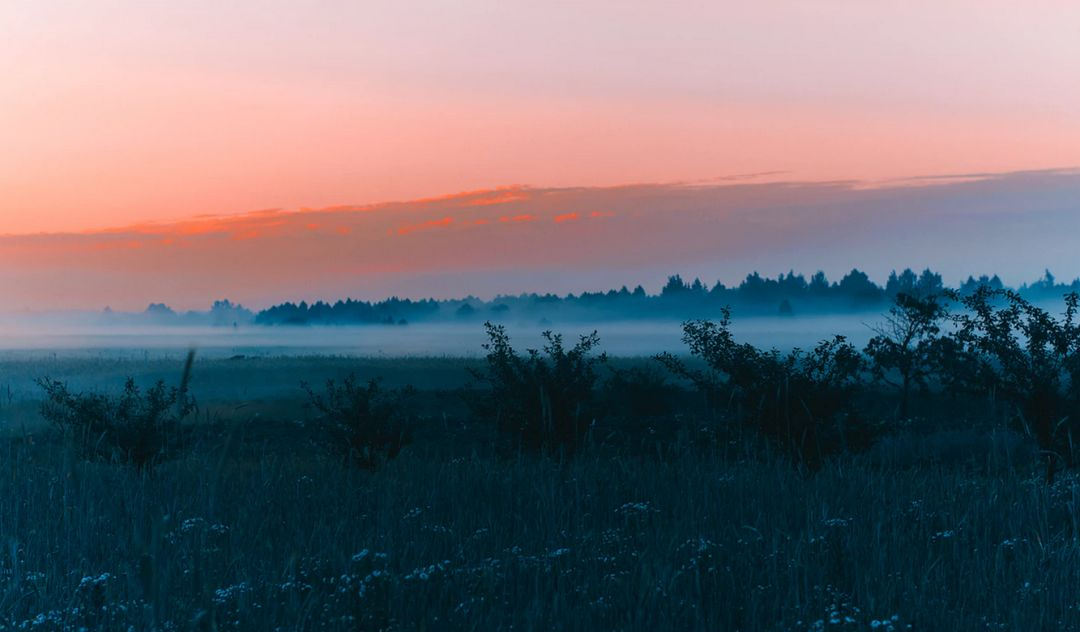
point(677, 529)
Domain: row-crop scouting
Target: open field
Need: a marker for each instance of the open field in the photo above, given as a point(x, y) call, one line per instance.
point(240, 535)
point(683, 526)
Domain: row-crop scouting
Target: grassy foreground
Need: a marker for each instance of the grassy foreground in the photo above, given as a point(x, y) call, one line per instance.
point(446, 538)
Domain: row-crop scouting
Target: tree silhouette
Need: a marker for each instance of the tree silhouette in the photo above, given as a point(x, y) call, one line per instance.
point(908, 344)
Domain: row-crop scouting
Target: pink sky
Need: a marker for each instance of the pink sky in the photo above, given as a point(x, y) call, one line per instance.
point(115, 113)
point(606, 142)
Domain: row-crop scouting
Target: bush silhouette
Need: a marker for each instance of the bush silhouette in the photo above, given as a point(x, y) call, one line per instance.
point(138, 427)
point(908, 348)
point(1023, 356)
point(365, 425)
point(801, 401)
point(544, 400)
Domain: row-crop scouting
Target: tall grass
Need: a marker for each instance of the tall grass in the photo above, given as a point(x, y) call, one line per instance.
point(235, 537)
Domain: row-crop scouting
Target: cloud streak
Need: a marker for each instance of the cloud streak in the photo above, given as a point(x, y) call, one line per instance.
point(523, 238)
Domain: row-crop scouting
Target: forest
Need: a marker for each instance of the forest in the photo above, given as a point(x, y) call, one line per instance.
point(788, 294)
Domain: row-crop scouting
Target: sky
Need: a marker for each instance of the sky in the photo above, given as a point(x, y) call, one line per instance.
point(528, 239)
point(120, 114)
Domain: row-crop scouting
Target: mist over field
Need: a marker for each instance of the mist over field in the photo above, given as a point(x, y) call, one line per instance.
point(617, 337)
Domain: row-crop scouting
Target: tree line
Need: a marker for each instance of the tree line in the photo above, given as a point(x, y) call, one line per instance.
point(787, 294)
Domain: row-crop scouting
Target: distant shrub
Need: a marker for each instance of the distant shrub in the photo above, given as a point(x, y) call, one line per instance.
point(364, 424)
point(138, 427)
point(802, 401)
point(545, 399)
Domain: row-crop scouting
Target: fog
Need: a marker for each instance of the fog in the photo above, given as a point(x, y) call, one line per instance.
point(619, 338)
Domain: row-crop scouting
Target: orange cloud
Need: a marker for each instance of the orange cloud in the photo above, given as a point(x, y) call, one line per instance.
point(481, 197)
point(247, 234)
point(435, 223)
point(501, 198)
point(268, 256)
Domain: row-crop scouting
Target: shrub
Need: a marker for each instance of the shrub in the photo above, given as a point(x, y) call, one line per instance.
point(138, 427)
point(908, 348)
point(801, 401)
point(1020, 354)
point(543, 401)
point(363, 424)
point(640, 392)
point(727, 364)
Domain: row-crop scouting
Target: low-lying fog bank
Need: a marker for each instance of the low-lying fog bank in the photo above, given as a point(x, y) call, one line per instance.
point(622, 338)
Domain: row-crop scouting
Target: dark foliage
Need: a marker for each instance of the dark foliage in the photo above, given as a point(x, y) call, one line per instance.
point(1020, 354)
point(363, 424)
point(908, 348)
point(139, 427)
point(789, 293)
point(641, 392)
point(543, 400)
point(801, 401)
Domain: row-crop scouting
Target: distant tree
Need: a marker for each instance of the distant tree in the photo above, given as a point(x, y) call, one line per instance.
point(757, 289)
point(857, 287)
point(792, 286)
point(819, 285)
point(225, 312)
point(1048, 280)
point(159, 309)
point(930, 283)
point(160, 313)
point(675, 286)
point(904, 283)
point(972, 285)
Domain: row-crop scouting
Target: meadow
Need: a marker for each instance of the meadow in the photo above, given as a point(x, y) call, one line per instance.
point(667, 509)
point(680, 527)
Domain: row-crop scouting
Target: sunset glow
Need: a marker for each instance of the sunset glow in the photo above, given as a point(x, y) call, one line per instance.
point(130, 129)
point(489, 243)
